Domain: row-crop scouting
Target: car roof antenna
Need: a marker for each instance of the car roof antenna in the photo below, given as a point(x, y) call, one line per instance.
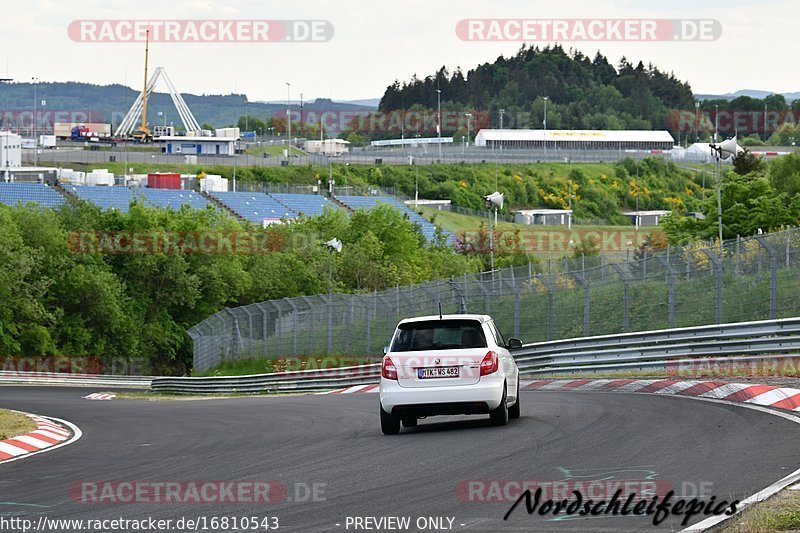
point(440, 310)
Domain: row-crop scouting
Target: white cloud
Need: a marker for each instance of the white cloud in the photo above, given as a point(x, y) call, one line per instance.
point(376, 42)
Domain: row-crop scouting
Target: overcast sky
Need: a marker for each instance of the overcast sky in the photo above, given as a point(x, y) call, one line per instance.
point(377, 41)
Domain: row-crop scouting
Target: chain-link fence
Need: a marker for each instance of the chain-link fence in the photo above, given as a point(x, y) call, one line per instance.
point(744, 279)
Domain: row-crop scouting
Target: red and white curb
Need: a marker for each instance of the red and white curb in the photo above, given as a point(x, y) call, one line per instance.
point(765, 395)
point(100, 396)
point(355, 388)
point(50, 433)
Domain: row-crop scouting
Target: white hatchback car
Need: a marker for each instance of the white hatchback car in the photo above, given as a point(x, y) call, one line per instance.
point(448, 365)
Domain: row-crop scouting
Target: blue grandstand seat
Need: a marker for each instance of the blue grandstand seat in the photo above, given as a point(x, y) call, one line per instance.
point(173, 198)
point(368, 202)
point(102, 196)
point(13, 193)
point(254, 206)
point(307, 204)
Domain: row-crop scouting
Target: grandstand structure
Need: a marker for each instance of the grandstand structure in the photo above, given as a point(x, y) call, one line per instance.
point(173, 199)
point(259, 208)
point(368, 202)
point(13, 193)
point(509, 139)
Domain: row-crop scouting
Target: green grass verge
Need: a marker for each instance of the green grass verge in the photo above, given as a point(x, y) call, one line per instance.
point(457, 223)
point(779, 513)
point(13, 424)
point(276, 150)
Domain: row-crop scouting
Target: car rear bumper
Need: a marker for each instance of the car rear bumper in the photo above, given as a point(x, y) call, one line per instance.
point(478, 398)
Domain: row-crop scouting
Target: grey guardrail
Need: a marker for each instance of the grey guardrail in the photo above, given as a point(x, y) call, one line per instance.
point(645, 350)
point(296, 381)
point(94, 380)
point(654, 349)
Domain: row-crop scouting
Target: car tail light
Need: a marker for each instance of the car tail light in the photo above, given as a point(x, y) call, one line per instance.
point(388, 370)
point(489, 364)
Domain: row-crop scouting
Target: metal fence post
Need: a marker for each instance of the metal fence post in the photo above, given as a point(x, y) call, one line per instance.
point(644, 265)
point(788, 232)
point(367, 341)
point(603, 266)
point(329, 306)
point(583, 282)
point(310, 324)
point(264, 331)
point(773, 277)
point(347, 316)
point(738, 240)
point(624, 275)
point(549, 288)
point(296, 324)
point(718, 275)
point(670, 292)
point(688, 264)
point(516, 305)
point(487, 306)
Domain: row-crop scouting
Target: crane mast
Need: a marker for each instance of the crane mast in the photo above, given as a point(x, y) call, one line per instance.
point(144, 86)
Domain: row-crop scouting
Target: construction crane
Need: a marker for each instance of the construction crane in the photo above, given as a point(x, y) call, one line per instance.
point(129, 126)
point(143, 135)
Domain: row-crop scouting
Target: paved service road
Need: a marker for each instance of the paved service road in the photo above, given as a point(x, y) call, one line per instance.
point(335, 441)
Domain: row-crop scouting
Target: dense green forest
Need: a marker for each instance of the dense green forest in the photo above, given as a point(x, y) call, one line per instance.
point(583, 93)
point(755, 196)
point(72, 299)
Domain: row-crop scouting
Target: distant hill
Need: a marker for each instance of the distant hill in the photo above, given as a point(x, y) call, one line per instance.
point(110, 103)
point(582, 92)
point(752, 93)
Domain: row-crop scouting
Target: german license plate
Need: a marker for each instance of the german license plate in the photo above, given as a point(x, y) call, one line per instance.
point(438, 372)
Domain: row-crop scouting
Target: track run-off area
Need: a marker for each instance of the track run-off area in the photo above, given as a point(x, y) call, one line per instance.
point(327, 463)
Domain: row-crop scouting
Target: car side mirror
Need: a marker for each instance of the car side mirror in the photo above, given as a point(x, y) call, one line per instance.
point(514, 344)
point(385, 350)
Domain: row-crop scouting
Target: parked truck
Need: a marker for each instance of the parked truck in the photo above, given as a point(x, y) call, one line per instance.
point(64, 130)
point(83, 134)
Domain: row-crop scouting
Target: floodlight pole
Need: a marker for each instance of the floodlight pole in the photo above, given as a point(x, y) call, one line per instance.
point(469, 118)
point(717, 152)
point(416, 183)
point(439, 121)
point(544, 124)
point(35, 81)
point(330, 270)
point(697, 121)
point(491, 240)
point(288, 123)
point(719, 199)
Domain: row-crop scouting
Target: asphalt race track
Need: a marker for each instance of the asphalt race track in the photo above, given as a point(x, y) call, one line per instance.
point(335, 442)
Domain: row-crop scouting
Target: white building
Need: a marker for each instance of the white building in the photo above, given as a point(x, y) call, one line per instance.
point(646, 218)
point(544, 217)
point(412, 141)
point(328, 147)
point(10, 149)
point(576, 139)
point(11, 168)
point(188, 145)
point(439, 205)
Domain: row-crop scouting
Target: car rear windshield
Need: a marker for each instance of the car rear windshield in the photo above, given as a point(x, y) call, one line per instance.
point(438, 335)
